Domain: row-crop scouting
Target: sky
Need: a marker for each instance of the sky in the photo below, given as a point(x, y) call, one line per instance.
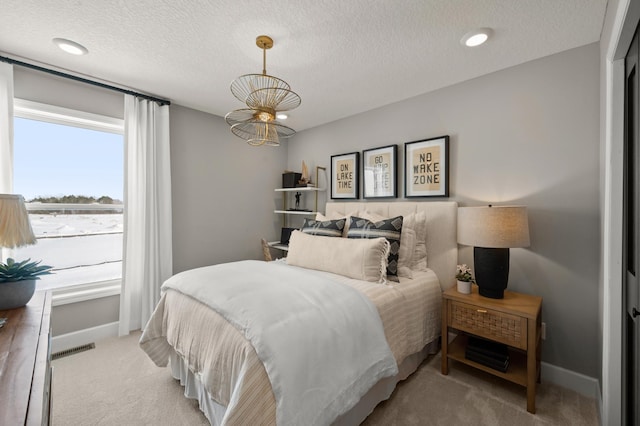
point(55, 160)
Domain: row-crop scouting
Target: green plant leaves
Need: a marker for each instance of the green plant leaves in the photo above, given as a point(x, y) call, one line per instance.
point(24, 270)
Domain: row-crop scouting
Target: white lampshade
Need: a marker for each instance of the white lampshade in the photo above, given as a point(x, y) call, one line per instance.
point(493, 227)
point(15, 228)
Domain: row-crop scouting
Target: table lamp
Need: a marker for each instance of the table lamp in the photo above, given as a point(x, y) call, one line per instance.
point(492, 230)
point(16, 231)
point(15, 228)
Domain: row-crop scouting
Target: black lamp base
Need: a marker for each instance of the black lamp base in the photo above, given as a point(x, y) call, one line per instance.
point(492, 271)
point(491, 293)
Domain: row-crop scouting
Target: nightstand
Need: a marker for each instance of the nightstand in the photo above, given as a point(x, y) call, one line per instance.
point(515, 321)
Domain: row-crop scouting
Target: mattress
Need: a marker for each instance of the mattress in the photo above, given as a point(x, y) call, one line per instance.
point(236, 387)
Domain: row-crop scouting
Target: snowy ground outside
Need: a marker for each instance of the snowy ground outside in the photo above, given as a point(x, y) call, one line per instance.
point(82, 248)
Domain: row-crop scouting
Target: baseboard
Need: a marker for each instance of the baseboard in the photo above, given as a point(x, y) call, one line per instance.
point(83, 337)
point(584, 385)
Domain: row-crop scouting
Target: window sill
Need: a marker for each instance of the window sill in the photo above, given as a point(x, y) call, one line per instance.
point(83, 292)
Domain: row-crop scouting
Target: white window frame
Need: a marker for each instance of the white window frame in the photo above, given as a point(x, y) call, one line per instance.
point(69, 117)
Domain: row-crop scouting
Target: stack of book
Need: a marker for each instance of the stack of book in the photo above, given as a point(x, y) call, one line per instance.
point(491, 354)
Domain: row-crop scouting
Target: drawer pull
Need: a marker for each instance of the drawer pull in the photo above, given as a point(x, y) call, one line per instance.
point(482, 311)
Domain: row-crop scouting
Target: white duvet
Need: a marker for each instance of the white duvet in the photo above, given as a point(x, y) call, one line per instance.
point(322, 342)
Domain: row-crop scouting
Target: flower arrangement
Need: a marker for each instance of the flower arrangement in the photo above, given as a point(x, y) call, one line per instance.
point(463, 273)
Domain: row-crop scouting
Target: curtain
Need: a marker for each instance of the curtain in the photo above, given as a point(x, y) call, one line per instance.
point(6, 128)
point(147, 255)
point(6, 137)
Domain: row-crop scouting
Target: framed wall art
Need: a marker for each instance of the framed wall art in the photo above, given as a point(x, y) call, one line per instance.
point(344, 176)
point(380, 175)
point(426, 168)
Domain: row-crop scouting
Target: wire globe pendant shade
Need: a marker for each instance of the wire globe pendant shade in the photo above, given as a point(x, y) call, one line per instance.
point(264, 96)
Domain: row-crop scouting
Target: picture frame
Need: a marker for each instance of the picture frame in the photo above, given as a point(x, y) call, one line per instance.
point(426, 168)
point(380, 172)
point(345, 169)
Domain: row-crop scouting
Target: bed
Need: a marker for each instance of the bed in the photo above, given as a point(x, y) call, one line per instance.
point(221, 357)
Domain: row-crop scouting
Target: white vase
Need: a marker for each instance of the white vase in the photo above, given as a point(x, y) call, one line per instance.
point(464, 287)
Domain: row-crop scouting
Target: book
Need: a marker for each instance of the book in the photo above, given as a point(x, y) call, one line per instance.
point(487, 347)
point(495, 363)
point(497, 357)
point(491, 354)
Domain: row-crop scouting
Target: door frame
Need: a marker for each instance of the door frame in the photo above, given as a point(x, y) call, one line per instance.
point(630, 265)
point(625, 20)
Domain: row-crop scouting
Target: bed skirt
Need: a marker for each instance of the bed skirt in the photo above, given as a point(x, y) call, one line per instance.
point(381, 391)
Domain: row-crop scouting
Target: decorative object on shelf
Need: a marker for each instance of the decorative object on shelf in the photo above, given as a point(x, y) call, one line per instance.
point(344, 176)
point(297, 208)
point(17, 279)
point(464, 278)
point(305, 180)
point(264, 96)
point(492, 231)
point(380, 172)
point(289, 179)
point(426, 168)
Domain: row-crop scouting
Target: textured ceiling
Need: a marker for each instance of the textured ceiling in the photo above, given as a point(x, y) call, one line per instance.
point(342, 57)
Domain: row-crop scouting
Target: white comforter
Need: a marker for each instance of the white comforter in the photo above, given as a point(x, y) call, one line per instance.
point(283, 310)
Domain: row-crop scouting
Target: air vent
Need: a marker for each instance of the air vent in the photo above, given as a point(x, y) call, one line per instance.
point(73, 351)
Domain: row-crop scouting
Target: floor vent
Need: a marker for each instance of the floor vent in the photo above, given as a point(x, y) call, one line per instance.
point(73, 351)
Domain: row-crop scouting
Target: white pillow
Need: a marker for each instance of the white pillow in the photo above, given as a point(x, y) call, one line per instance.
point(418, 222)
point(407, 244)
point(405, 255)
point(362, 259)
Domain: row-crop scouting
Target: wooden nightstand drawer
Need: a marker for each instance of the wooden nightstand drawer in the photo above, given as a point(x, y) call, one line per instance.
point(494, 325)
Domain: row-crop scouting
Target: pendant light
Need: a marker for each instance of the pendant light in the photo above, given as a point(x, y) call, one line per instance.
point(265, 96)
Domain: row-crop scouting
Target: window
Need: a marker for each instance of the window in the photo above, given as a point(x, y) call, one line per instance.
point(69, 166)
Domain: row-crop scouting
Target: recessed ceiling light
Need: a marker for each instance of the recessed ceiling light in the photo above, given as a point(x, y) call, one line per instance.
point(282, 116)
point(476, 37)
point(70, 46)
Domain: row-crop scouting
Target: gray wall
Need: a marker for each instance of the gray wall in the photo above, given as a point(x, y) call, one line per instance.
point(81, 315)
point(223, 191)
point(526, 135)
point(40, 87)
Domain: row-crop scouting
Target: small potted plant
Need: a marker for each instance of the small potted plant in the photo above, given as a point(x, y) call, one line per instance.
point(18, 282)
point(465, 279)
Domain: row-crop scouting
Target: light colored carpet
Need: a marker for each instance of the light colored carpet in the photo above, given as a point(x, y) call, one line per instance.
point(116, 384)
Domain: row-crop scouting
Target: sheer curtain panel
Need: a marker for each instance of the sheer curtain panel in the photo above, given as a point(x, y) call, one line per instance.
point(6, 128)
point(6, 137)
point(147, 257)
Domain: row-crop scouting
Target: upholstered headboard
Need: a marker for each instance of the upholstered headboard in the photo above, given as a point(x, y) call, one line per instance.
point(441, 241)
